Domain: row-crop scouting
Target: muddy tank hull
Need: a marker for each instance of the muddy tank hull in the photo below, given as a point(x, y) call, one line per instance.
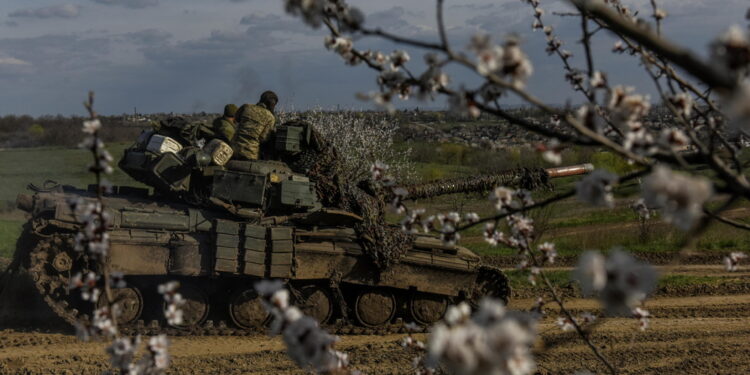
point(218, 258)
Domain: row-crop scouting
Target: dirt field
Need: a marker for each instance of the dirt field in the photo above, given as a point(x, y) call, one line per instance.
point(704, 334)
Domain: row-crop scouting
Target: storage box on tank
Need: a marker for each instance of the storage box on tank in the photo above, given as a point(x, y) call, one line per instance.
point(160, 144)
point(219, 151)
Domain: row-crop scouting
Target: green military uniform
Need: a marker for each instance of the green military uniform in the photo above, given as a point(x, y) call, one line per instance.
point(255, 124)
point(224, 129)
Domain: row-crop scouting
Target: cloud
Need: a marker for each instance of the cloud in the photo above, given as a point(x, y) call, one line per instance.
point(393, 18)
point(259, 24)
point(58, 54)
point(220, 49)
point(54, 11)
point(13, 61)
point(133, 4)
point(149, 36)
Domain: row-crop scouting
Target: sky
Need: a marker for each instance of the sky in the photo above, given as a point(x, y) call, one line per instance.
point(197, 55)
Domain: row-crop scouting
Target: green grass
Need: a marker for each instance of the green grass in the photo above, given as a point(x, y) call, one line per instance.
point(615, 215)
point(685, 280)
point(562, 279)
point(10, 230)
point(519, 280)
point(19, 167)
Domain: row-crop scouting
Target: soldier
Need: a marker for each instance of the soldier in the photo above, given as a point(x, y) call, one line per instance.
point(256, 122)
point(225, 126)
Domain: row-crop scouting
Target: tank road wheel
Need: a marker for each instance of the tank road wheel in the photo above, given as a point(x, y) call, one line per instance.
point(316, 302)
point(246, 309)
point(62, 262)
point(427, 309)
point(195, 307)
point(128, 300)
point(490, 282)
point(375, 307)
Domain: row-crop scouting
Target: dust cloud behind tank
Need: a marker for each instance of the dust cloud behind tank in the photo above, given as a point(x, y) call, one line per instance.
point(218, 225)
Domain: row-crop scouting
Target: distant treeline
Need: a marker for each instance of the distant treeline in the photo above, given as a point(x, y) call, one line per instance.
point(28, 131)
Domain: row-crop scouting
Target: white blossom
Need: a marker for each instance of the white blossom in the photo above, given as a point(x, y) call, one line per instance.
point(502, 197)
point(639, 140)
point(551, 151)
point(122, 351)
point(679, 197)
point(643, 318)
point(92, 126)
point(307, 344)
point(598, 80)
point(399, 58)
point(461, 104)
point(621, 281)
point(493, 236)
point(732, 262)
point(588, 117)
point(490, 342)
point(732, 49)
point(340, 45)
point(489, 60)
point(629, 282)
point(683, 103)
point(619, 47)
point(549, 252)
point(591, 272)
point(596, 188)
point(660, 14)
point(674, 138)
point(457, 314)
point(102, 321)
point(627, 108)
point(640, 208)
point(158, 347)
point(521, 227)
point(516, 64)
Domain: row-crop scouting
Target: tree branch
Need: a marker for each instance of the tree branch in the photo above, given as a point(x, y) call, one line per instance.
point(677, 55)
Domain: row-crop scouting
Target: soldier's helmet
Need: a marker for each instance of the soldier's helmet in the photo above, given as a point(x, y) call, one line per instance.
point(230, 110)
point(269, 99)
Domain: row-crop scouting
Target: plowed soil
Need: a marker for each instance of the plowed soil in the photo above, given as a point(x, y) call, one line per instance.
point(703, 334)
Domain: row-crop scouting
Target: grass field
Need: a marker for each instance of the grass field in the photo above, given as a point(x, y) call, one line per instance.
point(19, 167)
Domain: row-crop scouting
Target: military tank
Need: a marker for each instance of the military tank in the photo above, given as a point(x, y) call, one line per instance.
point(218, 225)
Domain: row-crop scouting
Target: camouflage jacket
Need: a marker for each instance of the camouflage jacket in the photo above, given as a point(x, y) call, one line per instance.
point(255, 125)
point(224, 129)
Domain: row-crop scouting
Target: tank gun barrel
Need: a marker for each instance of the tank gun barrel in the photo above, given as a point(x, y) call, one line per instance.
point(572, 170)
point(527, 178)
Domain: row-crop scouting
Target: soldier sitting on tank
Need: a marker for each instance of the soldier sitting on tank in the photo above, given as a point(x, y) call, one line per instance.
point(222, 128)
point(225, 127)
point(255, 124)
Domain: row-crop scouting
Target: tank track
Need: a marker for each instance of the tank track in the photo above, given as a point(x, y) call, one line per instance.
point(53, 286)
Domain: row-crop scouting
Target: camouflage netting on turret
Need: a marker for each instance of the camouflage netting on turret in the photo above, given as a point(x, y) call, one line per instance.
point(385, 244)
